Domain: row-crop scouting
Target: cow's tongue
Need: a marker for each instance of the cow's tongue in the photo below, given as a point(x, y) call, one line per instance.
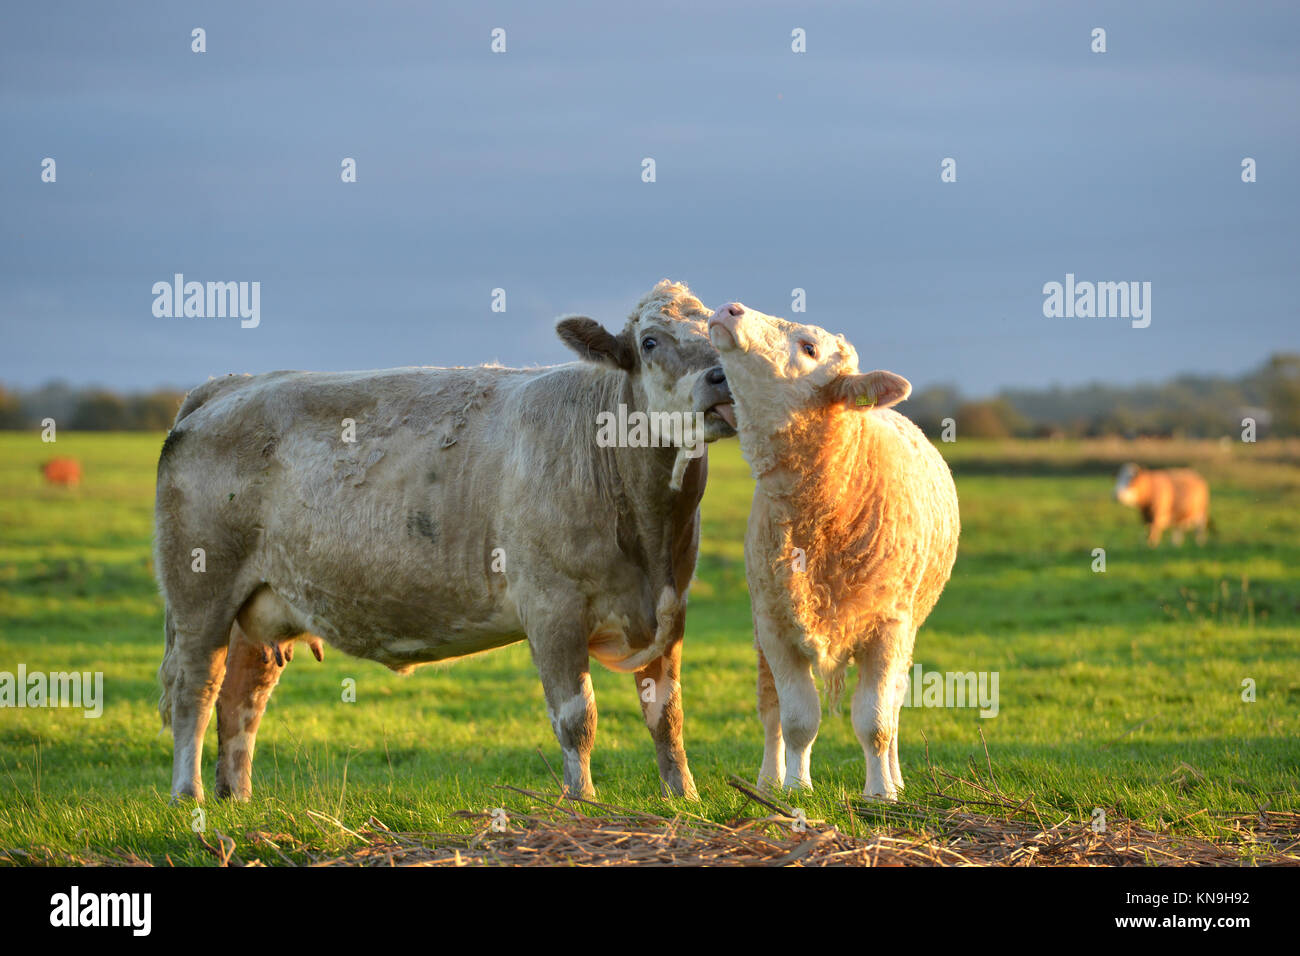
point(727, 412)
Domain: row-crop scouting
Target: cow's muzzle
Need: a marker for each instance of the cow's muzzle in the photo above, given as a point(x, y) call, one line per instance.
point(712, 396)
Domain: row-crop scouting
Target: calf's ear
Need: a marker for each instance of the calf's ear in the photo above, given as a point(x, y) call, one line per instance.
point(865, 390)
point(594, 343)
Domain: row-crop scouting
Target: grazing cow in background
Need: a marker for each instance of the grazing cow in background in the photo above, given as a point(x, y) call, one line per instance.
point(62, 471)
point(1176, 498)
point(852, 535)
point(423, 514)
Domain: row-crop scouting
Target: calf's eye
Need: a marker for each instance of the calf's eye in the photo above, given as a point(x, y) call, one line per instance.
point(648, 343)
point(809, 349)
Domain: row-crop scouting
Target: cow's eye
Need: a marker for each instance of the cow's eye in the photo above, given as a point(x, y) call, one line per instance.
point(809, 349)
point(648, 343)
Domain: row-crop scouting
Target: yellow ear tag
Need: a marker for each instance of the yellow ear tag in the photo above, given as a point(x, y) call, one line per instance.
point(863, 402)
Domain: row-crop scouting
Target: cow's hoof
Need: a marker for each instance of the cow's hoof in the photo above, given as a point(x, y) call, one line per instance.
point(890, 797)
point(684, 790)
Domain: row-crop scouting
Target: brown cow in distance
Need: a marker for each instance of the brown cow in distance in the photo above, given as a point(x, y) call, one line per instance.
point(1176, 498)
point(62, 471)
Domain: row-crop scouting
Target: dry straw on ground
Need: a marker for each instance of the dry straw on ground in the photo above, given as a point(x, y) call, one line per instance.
point(550, 830)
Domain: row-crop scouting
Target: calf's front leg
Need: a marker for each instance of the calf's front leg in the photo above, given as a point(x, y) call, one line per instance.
point(800, 704)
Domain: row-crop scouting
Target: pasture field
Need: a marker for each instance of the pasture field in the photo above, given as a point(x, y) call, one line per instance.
point(1121, 690)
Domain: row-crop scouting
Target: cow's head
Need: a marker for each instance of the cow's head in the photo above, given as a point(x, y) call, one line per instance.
point(1126, 485)
point(665, 348)
point(778, 369)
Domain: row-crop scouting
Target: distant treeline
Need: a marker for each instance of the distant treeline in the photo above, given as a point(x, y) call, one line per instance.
point(1189, 406)
point(89, 409)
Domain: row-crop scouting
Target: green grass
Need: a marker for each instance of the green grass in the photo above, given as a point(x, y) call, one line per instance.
point(1109, 683)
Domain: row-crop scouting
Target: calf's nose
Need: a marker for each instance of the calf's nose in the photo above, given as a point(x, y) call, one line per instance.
point(715, 375)
point(723, 326)
point(727, 315)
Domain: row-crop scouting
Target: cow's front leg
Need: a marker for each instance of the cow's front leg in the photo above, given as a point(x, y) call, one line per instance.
point(571, 705)
point(1154, 532)
point(660, 693)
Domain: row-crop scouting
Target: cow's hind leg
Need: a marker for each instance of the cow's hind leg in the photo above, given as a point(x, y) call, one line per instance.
point(193, 665)
point(659, 689)
point(877, 703)
point(252, 671)
point(260, 643)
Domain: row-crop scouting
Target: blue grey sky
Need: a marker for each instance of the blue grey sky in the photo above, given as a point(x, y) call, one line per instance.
point(522, 170)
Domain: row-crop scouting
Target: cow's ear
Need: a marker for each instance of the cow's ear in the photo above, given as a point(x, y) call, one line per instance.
point(877, 389)
point(594, 343)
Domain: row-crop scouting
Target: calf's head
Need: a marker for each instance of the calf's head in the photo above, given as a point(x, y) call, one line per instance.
point(665, 349)
point(779, 369)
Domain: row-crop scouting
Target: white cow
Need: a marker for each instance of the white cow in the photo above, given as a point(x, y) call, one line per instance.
point(474, 508)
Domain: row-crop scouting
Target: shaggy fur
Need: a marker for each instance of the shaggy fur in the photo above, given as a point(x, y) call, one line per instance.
point(851, 538)
point(1176, 498)
point(871, 504)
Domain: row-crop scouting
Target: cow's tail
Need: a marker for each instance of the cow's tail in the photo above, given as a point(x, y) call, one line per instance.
point(614, 653)
point(167, 670)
